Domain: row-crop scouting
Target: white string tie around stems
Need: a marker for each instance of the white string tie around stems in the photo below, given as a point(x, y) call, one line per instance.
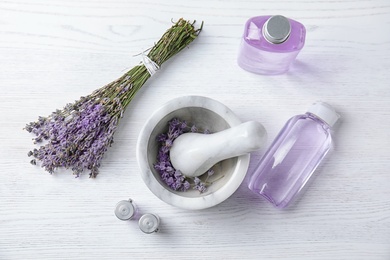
point(150, 65)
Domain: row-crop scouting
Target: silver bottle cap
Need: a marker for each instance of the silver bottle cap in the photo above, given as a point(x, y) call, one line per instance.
point(276, 29)
point(149, 223)
point(125, 209)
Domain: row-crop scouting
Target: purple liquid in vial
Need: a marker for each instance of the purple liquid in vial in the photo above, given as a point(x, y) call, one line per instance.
point(294, 155)
point(270, 44)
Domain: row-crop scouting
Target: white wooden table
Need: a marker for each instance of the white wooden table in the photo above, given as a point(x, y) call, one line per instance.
point(52, 52)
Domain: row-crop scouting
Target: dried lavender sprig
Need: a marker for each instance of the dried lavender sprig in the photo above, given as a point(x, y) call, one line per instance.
point(77, 136)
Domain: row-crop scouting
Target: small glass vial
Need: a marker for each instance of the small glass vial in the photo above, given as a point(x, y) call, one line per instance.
point(293, 156)
point(149, 223)
point(125, 210)
point(270, 44)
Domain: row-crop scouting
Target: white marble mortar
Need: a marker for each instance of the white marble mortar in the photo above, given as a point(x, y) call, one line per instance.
point(205, 113)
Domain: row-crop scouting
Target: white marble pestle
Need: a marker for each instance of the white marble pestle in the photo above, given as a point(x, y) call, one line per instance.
point(193, 153)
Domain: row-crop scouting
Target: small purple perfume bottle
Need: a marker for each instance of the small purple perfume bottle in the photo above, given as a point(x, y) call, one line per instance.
point(270, 44)
point(293, 156)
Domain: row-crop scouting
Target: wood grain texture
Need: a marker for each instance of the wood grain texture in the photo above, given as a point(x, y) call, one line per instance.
point(52, 52)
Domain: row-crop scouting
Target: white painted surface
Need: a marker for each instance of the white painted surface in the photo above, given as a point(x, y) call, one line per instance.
point(52, 52)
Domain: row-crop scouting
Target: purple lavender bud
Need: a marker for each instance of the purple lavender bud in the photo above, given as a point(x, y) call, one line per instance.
point(183, 125)
point(186, 185)
point(170, 181)
point(178, 174)
point(161, 138)
point(201, 187)
point(177, 184)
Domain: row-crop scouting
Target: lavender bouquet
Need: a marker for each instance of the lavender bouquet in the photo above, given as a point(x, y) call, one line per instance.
point(77, 136)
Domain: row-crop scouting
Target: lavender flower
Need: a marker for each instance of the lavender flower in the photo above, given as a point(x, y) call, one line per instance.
point(199, 185)
point(172, 177)
point(76, 137)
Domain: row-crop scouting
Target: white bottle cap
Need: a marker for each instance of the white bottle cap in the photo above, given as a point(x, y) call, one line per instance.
point(325, 112)
point(125, 209)
point(149, 223)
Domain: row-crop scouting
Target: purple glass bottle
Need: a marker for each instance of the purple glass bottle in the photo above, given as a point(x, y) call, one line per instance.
point(294, 155)
point(270, 44)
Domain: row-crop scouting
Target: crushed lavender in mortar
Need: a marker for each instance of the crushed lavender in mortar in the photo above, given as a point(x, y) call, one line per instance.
point(171, 176)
